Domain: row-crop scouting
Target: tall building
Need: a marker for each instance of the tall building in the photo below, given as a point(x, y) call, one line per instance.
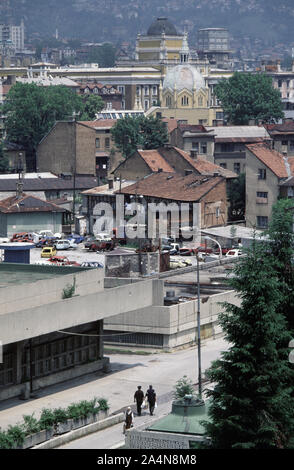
point(214, 44)
point(14, 35)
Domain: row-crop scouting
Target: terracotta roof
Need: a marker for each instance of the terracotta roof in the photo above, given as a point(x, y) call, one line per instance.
point(271, 158)
point(173, 186)
point(287, 126)
point(193, 128)
point(205, 167)
point(27, 203)
point(155, 161)
point(99, 123)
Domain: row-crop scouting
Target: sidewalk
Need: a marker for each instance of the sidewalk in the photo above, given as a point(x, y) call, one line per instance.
point(162, 370)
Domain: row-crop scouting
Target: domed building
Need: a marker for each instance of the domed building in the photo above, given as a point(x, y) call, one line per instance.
point(184, 86)
point(161, 44)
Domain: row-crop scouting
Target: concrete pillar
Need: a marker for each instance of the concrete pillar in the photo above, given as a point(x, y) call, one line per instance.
point(100, 338)
point(18, 353)
point(158, 292)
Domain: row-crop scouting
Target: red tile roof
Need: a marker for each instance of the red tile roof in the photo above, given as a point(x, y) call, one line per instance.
point(269, 157)
point(173, 186)
point(285, 127)
point(155, 161)
point(205, 167)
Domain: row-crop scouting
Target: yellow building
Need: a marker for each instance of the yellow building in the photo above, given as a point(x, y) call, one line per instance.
point(162, 44)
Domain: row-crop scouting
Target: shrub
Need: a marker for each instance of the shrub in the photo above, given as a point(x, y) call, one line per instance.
point(183, 387)
point(103, 404)
point(46, 419)
point(60, 415)
point(5, 441)
point(16, 435)
point(31, 425)
point(73, 411)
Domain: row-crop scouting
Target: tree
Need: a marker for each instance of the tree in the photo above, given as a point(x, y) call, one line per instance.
point(251, 403)
point(4, 163)
point(246, 96)
point(93, 104)
point(183, 387)
point(280, 233)
point(131, 133)
point(31, 111)
point(236, 196)
point(104, 55)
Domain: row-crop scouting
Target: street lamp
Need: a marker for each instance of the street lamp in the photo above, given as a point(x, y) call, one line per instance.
point(212, 239)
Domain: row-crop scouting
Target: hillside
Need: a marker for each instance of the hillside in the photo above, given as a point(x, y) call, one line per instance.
point(115, 20)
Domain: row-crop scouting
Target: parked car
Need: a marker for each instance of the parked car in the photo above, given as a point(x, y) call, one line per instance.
point(88, 241)
point(187, 251)
point(48, 241)
point(48, 233)
point(23, 237)
point(62, 261)
point(48, 251)
point(62, 244)
point(76, 238)
point(234, 253)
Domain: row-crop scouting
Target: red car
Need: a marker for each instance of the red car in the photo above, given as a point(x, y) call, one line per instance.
point(62, 261)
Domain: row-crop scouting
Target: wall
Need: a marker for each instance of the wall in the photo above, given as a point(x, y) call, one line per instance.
point(253, 184)
point(34, 222)
point(56, 151)
point(85, 150)
point(177, 323)
point(29, 322)
point(132, 168)
point(193, 116)
point(216, 198)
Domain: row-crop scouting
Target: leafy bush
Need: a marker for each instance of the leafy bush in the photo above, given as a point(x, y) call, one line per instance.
point(31, 425)
point(183, 387)
point(47, 419)
point(5, 440)
point(60, 415)
point(16, 435)
point(73, 411)
point(103, 404)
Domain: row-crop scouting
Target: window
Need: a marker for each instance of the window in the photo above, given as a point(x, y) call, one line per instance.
point(237, 167)
point(200, 101)
point(138, 90)
point(121, 89)
point(97, 143)
point(291, 144)
point(262, 222)
point(217, 212)
point(146, 90)
point(280, 82)
point(203, 147)
point(227, 147)
point(195, 146)
point(261, 174)
point(223, 165)
point(261, 194)
point(185, 100)
point(107, 142)
point(154, 90)
point(285, 142)
point(146, 105)
point(168, 101)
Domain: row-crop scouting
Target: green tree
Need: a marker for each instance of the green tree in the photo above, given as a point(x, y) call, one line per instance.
point(31, 111)
point(236, 196)
point(4, 163)
point(280, 233)
point(251, 404)
point(131, 133)
point(246, 96)
point(92, 104)
point(104, 55)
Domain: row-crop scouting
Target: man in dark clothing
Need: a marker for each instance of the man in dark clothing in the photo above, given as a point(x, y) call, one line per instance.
point(139, 397)
point(151, 397)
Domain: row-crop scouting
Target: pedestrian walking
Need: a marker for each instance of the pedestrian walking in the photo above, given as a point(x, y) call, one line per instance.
point(129, 417)
point(139, 398)
point(151, 397)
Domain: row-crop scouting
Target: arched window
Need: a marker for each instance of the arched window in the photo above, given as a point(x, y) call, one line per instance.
point(168, 101)
point(200, 101)
point(185, 100)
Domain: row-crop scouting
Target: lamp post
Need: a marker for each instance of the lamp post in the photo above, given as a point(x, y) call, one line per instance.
point(212, 239)
point(198, 331)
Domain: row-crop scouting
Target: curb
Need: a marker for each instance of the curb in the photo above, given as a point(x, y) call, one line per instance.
point(81, 432)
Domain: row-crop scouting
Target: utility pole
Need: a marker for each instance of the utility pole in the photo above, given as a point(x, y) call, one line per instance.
point(198, 331)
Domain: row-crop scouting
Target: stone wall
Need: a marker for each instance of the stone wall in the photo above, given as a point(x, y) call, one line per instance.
point(128, 265)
